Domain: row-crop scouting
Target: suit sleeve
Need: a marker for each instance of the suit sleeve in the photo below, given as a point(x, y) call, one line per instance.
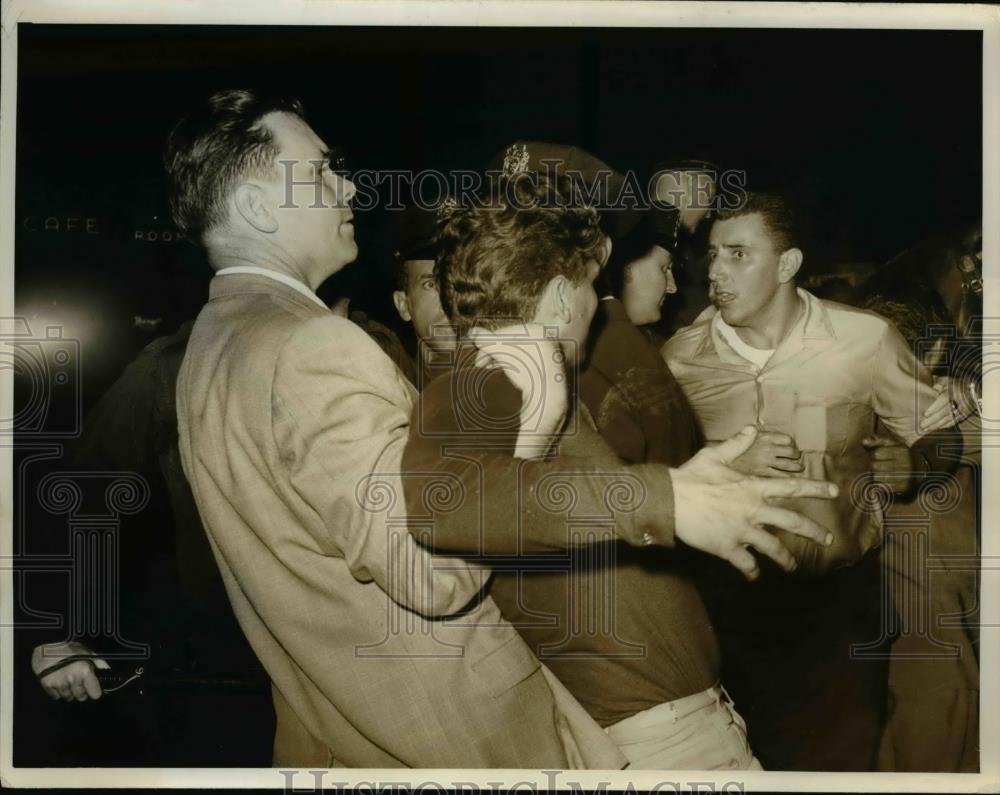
point(340, 419)
point(511, 506)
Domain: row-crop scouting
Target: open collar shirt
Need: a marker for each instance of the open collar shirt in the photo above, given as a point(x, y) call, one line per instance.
point(836, 371)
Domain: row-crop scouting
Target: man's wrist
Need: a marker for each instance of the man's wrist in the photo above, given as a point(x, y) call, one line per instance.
point(652, 523)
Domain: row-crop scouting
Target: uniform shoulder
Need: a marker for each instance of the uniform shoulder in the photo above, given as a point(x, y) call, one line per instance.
point(620, 344)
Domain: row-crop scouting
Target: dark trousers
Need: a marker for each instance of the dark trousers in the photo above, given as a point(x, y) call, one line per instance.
point(804, 659)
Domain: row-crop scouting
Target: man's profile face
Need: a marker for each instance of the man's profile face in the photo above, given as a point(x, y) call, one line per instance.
point(420, 305)
point(743, 268)
point(311, 201)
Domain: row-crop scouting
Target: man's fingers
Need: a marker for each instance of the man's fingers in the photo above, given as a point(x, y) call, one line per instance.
point(776, 439)
point(796, 487)
point(91, 685)
point(79, 691)
point(940, 402)
point(782, 465)
point(734, 446)
point(65, 693)
point(794, 523)
point(484, 360)
point(51, 692)
point(787, 451)
point(937, 419)
point(745, 562)
point(874, 442)
point(768, 544)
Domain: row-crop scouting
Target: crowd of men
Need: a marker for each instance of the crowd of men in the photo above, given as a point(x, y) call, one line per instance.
point(549, 540)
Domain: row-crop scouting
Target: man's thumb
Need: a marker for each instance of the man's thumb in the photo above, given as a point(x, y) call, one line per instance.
point(735, 446)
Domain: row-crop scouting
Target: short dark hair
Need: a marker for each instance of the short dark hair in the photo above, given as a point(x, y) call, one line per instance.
point(780, 218)
point(401, 273)
point(496, 256)
point(215, 146)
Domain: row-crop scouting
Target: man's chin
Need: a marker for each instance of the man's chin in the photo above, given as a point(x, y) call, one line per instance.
point(652, 316)
point(342, 257)
point(349, 252)
point(727, 313)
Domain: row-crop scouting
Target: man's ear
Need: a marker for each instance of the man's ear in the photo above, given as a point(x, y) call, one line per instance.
point(608, 246)
point(251, 202)
point(402, 305)
point(562, 304)
point(789, 264)
point(552, 303)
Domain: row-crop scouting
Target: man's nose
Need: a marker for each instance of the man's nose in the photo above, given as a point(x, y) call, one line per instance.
point(715, 271)
point(347, 189)
point(671, 283)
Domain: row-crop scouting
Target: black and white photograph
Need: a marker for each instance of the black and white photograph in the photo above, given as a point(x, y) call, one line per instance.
point(557, 394)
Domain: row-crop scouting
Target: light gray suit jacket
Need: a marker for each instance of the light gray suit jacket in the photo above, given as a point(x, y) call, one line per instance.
point(292, 424)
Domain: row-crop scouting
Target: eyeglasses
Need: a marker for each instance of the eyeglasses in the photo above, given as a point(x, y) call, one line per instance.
point(337, 160)
point(971, 269)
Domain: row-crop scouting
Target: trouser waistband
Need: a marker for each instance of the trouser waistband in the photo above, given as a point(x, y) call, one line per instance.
point(673, 711)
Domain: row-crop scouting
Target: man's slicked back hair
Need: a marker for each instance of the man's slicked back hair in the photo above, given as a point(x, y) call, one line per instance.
point(780, 218)
point(213, 148)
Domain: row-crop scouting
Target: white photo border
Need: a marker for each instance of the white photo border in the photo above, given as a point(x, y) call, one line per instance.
point(535, 13)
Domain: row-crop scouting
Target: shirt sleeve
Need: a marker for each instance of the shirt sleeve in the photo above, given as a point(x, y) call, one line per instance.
point(901, 386)
point(512, 506)
point(340, 419)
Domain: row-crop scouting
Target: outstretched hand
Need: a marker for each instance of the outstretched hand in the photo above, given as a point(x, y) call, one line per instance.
point(535, 364)
point(721, 511)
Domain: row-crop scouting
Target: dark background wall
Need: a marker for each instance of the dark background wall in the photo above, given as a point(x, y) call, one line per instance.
point(878, 134)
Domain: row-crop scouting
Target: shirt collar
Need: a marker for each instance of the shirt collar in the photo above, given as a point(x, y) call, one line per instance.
point(289, 281)
point(813, 327)
point(818, 325)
